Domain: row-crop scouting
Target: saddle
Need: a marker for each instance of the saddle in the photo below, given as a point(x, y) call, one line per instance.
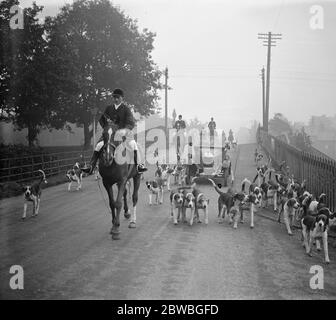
point(121, 153)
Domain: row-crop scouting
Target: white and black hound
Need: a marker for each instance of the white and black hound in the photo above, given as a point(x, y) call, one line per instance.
point(289, 209)
point(75, 175)
point(253, 197)
point(155, 188)
point(188, 205)
point(201, 203)
point(271, 189)
point(176, 204)
point(163, 172)
point(33, 193)
point(253, 189)
point(316, 227)
point(229, 204)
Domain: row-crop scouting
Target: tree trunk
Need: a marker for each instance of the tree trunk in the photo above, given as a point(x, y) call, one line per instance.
point(32, 134)
point(87, 136)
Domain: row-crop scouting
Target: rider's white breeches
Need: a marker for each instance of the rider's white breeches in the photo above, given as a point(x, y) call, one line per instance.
point(99, 145)
point(131, 145)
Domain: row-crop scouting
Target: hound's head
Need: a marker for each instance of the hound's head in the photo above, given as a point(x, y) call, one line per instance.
point(76, 166)
point(164, 166)
point(178, 198)
point(259, 156)
point(252, 198)
point(27, 192)
point(322, 198)
point(306, 198)
point(260, 172)
point(202, 202)
point(189, 200)
point(257, 192)
point(281, 190)
point(292, 203)
point(239, 198)
point(322, 222)
point(151, 185)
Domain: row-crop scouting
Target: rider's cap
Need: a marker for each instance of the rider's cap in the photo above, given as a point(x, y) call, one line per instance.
point(118, 93)
point(180, 116)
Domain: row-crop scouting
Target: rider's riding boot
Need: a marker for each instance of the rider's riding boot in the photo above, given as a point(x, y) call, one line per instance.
point(140, 167)
point(92, 164)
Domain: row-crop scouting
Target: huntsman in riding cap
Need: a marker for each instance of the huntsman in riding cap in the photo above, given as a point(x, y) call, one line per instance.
point(122, 116)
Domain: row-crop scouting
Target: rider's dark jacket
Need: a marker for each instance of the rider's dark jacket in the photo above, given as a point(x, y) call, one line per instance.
point(122, 116)
point(180, 124)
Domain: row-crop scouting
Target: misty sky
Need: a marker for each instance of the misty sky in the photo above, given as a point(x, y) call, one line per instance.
point(214, 56)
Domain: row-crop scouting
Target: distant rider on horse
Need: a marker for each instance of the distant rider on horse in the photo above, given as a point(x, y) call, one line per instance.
point(122, 116)
point(180, 124)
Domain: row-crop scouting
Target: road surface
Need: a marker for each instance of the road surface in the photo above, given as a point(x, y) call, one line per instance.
point(67, 252)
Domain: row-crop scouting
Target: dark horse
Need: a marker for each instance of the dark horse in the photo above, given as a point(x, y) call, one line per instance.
point(115, 171)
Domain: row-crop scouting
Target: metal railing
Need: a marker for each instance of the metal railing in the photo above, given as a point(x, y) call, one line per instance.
point(20, 169)
point(318, 171)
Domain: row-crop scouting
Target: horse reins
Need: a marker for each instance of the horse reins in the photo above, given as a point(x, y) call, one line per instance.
point(101, 193)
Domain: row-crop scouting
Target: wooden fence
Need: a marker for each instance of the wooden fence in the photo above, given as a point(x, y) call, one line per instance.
point(26, 168)
point(318, 171)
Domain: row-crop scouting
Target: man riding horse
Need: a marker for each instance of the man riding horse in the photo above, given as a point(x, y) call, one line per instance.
point(122, 116)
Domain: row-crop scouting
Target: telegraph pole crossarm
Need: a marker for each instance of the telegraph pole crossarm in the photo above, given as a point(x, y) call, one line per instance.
point(269, 41)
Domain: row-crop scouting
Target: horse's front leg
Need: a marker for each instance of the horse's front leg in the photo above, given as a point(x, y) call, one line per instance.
point(126, 210)
point(136, 185)
point(118, 207)
point(109, 191)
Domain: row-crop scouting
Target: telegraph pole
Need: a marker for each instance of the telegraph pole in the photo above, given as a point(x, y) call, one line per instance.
point(263, 96)
point(269, 40)
point(166, 114)
point(166, 101)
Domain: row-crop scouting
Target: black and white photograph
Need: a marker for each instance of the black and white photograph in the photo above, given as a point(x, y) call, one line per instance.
point(180, 151)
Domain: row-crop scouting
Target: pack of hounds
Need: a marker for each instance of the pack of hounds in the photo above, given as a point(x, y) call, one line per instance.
point(289, 198)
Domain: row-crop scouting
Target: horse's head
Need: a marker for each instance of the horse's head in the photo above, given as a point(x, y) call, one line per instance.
point(107, 155)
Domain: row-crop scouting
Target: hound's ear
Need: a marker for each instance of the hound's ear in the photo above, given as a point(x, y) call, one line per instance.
point(157, 163)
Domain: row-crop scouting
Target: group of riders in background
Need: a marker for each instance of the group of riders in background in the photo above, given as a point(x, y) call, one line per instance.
point(194, 169)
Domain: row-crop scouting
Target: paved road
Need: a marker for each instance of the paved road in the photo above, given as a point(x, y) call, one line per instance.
point(67, 252)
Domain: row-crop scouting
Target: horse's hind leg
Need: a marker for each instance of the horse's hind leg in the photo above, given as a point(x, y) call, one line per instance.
point(126, 210)
point(136, 185)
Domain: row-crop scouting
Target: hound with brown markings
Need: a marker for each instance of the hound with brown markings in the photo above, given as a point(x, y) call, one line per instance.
point(33, 193)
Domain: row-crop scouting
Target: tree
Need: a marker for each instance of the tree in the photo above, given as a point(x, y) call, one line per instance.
point(196, 124)
point(98, 48)
point(27, 97)
point(6, 56)
point(279, 125)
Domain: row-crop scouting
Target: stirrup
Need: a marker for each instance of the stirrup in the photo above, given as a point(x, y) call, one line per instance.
point(141, 168)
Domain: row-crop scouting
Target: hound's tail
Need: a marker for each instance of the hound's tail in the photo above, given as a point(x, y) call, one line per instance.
point(193, 182)
point(269, 172)
point(43, 177)
point(277, 178)
point(220, 192)
point(243, 185)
